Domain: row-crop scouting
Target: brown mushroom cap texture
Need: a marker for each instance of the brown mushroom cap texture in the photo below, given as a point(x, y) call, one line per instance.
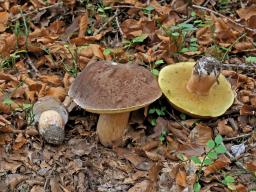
point(173, 80)
point(107, 87)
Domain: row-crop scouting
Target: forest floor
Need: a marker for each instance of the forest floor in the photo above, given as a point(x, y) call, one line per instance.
point(44, 44)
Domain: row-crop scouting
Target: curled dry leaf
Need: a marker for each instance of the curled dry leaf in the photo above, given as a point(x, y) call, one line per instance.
point(83, 24)
point(248, 110)
point(225, 129)
point(57, 92)
point(86, 39)
point(19, 142)
point(181, 178)
point(220, 163)
point(251, 166)
point(4, 16)
point(204, 36)
point(200, 134)
point(55, 80)
point(143, 186)
point(247, 12)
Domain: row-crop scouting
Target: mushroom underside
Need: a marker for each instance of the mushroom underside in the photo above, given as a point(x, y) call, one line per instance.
point(173, 80)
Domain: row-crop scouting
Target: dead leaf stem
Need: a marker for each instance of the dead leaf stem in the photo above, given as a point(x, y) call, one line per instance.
point(219, 14)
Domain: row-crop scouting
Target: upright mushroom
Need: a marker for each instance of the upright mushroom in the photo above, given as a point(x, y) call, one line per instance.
point(198, 89)
point(51, 117)
point(113, 91)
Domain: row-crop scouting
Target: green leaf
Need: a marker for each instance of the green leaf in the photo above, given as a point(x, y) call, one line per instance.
point(158, 62)
point(250, 59)
point(175, 34)
point(212, 155)
point(148, 9)
point(211, 144)
point(107, 51)
point(220, 149)
point(8, 101)
point(26, 106)
point(229, 179)
point(193, 13)
point(151, 111)
point(183, 116)
point(153, 122)
point(181, 156)
point(158, 112)
point(197, 187)
point(184, 50)
point(218, 139)
point(155, 72)
point(208, 162)
point(139, 39)
point(196, 160)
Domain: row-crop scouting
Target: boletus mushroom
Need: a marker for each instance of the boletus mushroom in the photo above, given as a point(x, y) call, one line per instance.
point(113, 91)
point(51, 117)
point(198, 89)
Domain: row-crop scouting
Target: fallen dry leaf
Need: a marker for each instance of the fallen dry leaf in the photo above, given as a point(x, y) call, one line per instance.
point(220, 163)
point(225, 129)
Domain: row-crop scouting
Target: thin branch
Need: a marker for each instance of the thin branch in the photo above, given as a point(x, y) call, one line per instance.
point(104, 25)
point(118, 24)
point(219, 14)
point(237, 137)
point(232, 45)
point(36, 11)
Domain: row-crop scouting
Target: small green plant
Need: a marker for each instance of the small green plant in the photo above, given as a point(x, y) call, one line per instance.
point(11, 60)
point(163, 136)
point(73, 68)
point(103, 10)
point(250, 59)
point(134, 41)
point(215, 148)
point(156, 112)
point(148, 10)
point(178, 35)
point(25, 107)
point(229, 182)
point(156, 64)
point(107, 51)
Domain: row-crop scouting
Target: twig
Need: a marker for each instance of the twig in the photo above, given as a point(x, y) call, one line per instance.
point(104, 25)
point(232, 45)
point(219, 14)
point(37, 10)
point(118, 24)
point(237, 137)
point(176, 120)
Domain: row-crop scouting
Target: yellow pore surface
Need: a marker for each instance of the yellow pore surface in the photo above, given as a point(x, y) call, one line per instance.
point(173, 79)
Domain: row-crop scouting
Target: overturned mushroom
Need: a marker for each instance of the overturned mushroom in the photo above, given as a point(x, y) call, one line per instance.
point(113, 91)
point(197, 89)
point(51, 117)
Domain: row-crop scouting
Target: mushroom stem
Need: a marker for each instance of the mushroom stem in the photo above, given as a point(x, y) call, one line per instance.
point(111, 128)
point(204, 76)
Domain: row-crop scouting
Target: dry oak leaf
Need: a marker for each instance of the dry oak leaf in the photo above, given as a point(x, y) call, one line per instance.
point(57, 92)
point(4, 16)
point(181, 177)
point(225, 129)
point(220, 163)
point(86, 39)
point(204, 36)
point(19, 142)
point(200, 134)
point(83, 24)
point(55, 80)
point(251, 166)
point(247, 12)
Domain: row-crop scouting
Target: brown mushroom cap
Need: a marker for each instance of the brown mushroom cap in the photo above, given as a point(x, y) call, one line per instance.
point(108, 87)
point(173, 80)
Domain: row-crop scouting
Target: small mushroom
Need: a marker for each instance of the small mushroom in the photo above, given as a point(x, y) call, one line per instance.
point(198, 89)
point(51, 117)
point(113, 91)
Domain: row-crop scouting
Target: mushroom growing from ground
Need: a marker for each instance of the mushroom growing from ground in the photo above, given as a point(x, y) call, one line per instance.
point(198, 89)
point(113, 91)
point(51, 117)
